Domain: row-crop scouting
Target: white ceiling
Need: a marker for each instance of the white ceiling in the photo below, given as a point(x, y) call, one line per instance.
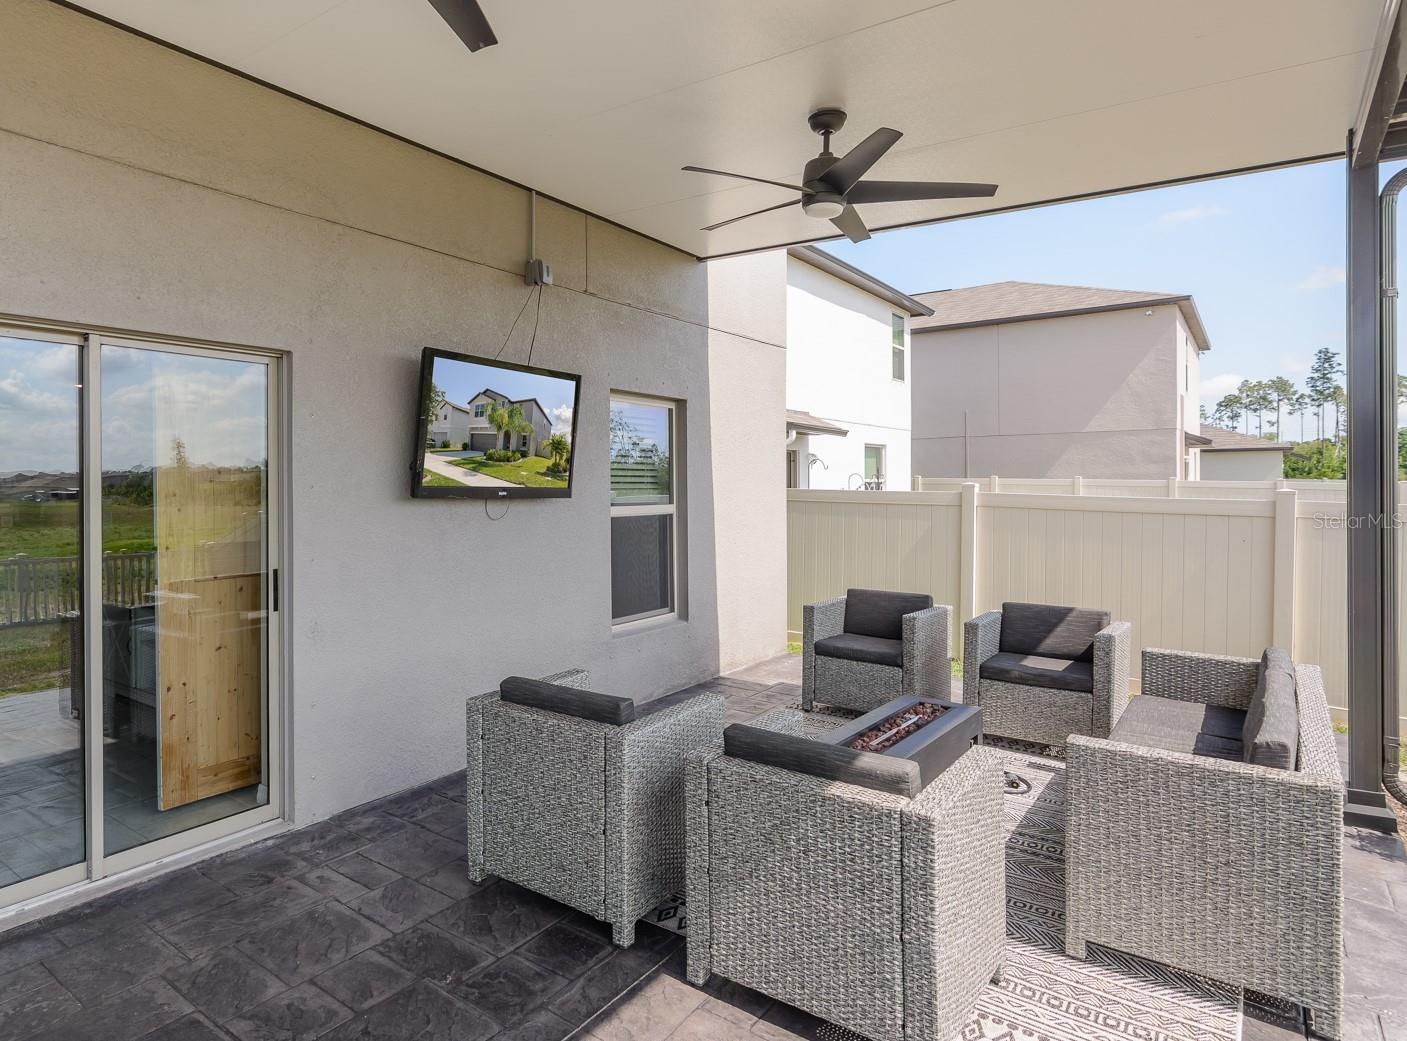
point(599, 102)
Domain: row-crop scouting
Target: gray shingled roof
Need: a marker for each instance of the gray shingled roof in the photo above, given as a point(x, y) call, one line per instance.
point(1223, 440)
point(806, 423)
point(1002, 302)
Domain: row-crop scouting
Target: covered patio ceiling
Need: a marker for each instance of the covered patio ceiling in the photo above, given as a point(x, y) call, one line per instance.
point(599, 104)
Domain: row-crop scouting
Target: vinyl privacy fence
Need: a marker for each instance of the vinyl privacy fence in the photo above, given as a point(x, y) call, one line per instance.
point(1218, 575)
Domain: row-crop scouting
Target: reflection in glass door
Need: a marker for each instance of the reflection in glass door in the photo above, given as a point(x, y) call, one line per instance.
point(185, 439)
point(41, 635)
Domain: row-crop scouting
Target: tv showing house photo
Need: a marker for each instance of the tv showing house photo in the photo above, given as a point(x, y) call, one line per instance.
point(493, 429)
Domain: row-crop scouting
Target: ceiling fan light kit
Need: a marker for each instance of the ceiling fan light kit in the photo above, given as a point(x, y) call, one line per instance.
point(831, 186)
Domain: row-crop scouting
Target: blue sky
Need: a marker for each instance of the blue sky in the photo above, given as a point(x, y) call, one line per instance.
point(1262, 254)
point(462, 380)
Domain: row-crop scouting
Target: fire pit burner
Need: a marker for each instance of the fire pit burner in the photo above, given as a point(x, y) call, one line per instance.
point(928, 731)
point(891, 731)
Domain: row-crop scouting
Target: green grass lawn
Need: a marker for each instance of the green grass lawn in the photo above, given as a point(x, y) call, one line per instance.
point(527, 472)
point(33, 657)
point(50, 529)
point(430, 479)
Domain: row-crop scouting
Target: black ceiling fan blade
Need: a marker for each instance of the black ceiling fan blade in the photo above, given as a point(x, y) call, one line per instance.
point(754, 213)
point(467, 20)
point(854, 164)
point(850, 223)
point(912, 191)
point(743, 177)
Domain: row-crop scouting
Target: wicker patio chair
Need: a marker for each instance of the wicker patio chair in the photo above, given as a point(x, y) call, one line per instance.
point(870, 646)
point(1199, 859)
point(883, 913)
point(1041, 673)
point(587, 811)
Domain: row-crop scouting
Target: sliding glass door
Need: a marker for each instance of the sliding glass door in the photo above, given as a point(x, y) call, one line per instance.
point(153, 545)
point(41, 610)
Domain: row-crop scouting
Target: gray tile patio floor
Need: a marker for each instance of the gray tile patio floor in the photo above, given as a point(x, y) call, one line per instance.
point(365, 927)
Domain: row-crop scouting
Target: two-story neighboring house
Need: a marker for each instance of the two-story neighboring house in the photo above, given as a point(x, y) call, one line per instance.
point(482, 436)
point(1023, 379)
point(847, 376)
point(450, 425)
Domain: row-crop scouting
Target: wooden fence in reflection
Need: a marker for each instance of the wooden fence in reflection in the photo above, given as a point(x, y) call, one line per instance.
point(34, 590)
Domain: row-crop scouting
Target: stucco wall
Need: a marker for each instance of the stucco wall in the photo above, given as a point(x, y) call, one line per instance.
point(1088, 395)
point(1242, 466)
point(840, 368)
point(143, 190)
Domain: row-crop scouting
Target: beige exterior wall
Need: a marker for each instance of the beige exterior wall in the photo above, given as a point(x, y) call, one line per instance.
point(146, 191)
point(1242, 466)
point(1088, 395)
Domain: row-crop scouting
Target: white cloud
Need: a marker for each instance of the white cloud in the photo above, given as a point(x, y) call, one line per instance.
point(1325, 276)
point(1214, 388)
point(561, 419)
point(1188, 214)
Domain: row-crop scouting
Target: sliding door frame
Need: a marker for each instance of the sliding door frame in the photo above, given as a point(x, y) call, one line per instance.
point(144, 858)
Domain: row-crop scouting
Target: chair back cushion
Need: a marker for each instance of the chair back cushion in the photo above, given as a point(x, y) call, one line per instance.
point(877, 612)
point(1272, 730)
point(1050, 631)
point(584, 704)
point(883, 773)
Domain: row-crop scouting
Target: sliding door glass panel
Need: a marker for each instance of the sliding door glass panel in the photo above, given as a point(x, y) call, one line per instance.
point(185, 578)
point(41, 644)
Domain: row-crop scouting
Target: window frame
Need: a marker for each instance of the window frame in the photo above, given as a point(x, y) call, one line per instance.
point(898, 347)
point(882, 476)
point(669, 509)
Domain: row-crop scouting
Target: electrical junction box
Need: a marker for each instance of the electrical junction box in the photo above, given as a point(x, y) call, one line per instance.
point(539, 273)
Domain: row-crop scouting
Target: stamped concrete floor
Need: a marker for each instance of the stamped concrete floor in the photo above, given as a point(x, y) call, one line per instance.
point(366, 927)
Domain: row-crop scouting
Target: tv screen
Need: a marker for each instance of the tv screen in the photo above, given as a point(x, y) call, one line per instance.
point(493, 430)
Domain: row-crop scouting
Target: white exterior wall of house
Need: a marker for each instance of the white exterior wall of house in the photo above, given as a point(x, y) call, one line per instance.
point(1094, 395)
point(840, 368)
point(147, 191)
point(451, 424)
point(1189, 397)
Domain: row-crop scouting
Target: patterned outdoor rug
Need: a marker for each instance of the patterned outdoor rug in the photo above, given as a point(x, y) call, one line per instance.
point(1045, 995)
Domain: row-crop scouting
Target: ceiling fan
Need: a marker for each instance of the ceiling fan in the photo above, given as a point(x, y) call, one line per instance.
point(831, 187)
point(467, 20)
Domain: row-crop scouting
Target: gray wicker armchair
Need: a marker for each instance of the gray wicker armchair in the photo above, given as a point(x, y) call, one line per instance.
point(871, 646)
point(881, 913)
point(586, 811)
point(1041, 673)
point(1199, 859)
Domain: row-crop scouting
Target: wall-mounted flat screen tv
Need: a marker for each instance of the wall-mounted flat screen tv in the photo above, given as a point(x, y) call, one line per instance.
point(493, 430)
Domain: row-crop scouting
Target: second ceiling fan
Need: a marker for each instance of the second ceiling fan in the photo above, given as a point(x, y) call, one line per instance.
point(831, 186)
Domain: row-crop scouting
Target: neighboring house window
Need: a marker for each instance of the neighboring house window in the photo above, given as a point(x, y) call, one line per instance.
point(479, 410)
point(897, 351)
point(523, 442)
point(874, 468)
point(644, 491)
point(793, 469)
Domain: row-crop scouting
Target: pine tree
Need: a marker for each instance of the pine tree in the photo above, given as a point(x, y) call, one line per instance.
point(1321, 382)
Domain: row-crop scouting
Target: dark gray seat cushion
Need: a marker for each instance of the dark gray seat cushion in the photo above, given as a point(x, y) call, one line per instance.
point(877, 612)
point(585, 704)
point(853, 647)
point(1181, 726)
point(1051, 631)
point(1272, 729)
point(1033, 670)
point(883, 773)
